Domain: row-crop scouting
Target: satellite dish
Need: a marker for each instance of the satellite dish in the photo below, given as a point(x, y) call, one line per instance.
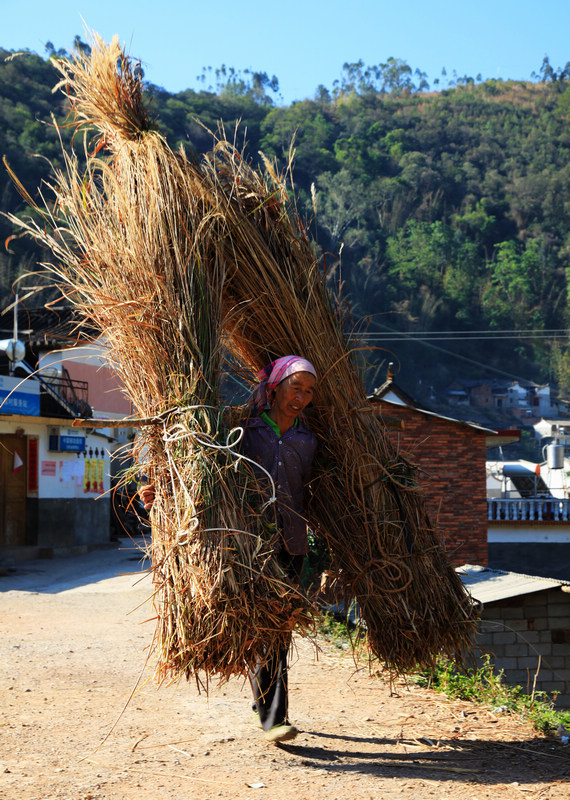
point(14, 349)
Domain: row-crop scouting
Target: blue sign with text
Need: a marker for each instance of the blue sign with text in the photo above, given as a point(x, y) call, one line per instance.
point(68, 443)
point(19, 396)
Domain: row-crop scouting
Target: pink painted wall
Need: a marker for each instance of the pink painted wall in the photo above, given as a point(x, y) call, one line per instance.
point(105, 393)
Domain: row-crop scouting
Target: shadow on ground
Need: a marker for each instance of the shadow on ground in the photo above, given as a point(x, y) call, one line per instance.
point(480, 761)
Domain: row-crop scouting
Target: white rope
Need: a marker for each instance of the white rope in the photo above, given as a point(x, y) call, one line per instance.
point(173, 468)
point(179, 432)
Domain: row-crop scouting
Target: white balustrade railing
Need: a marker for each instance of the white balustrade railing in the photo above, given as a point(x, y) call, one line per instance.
point(546, 509)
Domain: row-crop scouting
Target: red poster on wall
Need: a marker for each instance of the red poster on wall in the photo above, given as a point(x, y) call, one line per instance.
point(33, 479)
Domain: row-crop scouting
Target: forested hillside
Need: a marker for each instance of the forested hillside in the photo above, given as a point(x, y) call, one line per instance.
point(450, 209)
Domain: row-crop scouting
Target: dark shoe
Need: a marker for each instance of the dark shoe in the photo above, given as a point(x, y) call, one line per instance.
point(281, 733)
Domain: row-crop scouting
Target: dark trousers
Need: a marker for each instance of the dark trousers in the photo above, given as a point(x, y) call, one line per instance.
point(269, 678)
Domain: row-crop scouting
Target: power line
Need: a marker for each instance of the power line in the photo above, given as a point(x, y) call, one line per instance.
point(470, 332)
point(388, 337)
point(413, 337)
point(429, 344)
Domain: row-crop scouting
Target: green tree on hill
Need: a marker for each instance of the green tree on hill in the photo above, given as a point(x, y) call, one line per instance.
point(438, 210)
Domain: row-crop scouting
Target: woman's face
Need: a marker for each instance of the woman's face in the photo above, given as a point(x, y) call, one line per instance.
point(293, 395)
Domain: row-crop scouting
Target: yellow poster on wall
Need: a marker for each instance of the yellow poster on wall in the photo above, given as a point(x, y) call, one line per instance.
point(100, 475)
point(87, 480)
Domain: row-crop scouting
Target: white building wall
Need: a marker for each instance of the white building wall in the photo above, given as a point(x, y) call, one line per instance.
point(78, 475)
point(71, 507)
point(63, 474)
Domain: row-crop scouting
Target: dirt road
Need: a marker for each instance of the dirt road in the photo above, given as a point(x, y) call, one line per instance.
point(73, 638)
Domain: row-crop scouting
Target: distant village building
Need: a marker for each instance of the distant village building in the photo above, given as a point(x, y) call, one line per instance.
point(517, 398)
point(550, 431)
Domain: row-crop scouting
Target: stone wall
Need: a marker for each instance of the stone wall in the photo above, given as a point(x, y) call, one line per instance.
point(529, 636)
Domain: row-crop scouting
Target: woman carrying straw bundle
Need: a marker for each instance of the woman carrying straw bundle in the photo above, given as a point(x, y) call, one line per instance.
point(276, 438)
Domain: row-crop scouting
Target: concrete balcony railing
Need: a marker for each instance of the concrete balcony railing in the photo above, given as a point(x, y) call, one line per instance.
point(537, 509)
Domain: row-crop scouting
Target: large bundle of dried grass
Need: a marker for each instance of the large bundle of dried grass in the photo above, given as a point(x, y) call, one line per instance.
point(167, 255)
point(132, 233)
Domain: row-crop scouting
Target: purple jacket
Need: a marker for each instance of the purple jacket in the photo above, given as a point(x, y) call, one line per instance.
point(288, 459)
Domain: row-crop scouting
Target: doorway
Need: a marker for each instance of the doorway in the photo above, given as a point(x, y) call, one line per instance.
point(13, 474)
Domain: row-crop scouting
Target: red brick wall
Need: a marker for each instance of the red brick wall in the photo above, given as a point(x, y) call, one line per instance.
point(451, 459)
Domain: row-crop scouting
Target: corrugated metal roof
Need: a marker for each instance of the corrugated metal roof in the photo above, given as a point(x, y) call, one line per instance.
point(489, 585)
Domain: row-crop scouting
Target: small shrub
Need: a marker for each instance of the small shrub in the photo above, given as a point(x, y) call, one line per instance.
point(484, 685)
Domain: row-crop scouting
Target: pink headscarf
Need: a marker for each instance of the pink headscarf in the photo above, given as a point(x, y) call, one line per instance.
point(272, 375)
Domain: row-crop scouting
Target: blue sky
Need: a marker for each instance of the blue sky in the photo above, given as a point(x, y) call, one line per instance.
point(305, 43)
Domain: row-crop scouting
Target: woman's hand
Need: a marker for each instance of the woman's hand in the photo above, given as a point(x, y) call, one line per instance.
point(146, 495)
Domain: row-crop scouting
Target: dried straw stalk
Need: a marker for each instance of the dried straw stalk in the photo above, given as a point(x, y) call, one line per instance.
point(131, 234)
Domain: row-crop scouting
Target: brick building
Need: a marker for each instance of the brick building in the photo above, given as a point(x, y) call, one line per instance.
point(451, 456)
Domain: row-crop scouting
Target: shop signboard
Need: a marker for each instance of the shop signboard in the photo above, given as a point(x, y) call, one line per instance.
point(19, 396)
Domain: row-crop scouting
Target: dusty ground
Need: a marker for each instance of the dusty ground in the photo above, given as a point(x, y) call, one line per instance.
point(73, 639)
